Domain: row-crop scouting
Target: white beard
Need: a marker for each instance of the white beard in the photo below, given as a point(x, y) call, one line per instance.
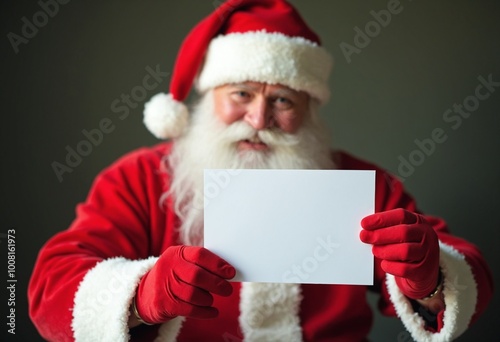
point(209, 143)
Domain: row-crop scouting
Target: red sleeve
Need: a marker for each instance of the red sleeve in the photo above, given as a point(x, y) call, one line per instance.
point(390, 194)
point(119, 218)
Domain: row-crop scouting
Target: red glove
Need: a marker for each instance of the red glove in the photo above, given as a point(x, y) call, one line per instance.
point(408, 248)
point(181, 283)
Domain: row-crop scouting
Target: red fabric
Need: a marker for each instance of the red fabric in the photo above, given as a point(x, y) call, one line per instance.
point(122, 217)
point(230, 17)
point(181, 283)
point(274, 16)
point(408, 248)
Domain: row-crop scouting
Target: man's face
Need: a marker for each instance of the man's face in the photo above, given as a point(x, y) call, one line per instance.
point(262, 106)
point(240, 126)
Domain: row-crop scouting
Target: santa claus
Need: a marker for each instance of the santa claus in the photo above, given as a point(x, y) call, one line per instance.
point(132, 265)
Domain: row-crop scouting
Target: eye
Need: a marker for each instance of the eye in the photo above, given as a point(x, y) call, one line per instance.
point(282, 103)
point(240, 95)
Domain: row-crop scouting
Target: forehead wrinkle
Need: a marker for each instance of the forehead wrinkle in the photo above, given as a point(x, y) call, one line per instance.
point(246, 86)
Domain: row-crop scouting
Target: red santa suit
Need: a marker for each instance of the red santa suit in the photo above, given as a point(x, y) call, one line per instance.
point(85, 277)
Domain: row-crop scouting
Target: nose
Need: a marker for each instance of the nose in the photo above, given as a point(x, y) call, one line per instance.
point(259, 114)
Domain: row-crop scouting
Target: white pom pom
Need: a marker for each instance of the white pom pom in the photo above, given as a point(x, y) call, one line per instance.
point(165, 117)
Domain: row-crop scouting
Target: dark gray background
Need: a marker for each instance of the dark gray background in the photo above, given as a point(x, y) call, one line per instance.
point(393, 92)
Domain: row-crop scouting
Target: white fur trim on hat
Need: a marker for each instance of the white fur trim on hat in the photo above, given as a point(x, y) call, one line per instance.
point(269, 58)
point(103, 299)
point(270, 312)
point(460, 297)
point(165, 117)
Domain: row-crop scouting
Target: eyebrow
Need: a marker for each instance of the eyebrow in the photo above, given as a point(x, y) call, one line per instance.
point(282, 92)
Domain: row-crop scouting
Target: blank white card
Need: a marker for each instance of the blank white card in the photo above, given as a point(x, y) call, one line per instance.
point(290, 226)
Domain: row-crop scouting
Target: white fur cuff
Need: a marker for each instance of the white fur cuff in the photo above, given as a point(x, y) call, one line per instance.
point(103, 299)
point(460, 296)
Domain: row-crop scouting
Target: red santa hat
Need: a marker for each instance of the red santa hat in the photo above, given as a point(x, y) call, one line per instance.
point(242, 40)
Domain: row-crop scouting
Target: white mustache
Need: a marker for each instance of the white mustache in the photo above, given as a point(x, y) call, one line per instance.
point(242, 131)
